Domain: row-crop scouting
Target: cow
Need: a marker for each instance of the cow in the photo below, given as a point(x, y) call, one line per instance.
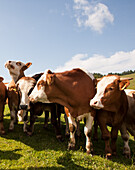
point(25, 86)
point(128, 124)
point(112, 105)
point(72, 89)
point(16, 70)
point(3, 97)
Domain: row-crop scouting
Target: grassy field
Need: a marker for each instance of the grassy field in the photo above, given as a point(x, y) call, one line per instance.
point(43, 151)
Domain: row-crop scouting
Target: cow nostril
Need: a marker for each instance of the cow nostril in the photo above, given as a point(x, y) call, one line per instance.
point(95, 102)
point(9, 61)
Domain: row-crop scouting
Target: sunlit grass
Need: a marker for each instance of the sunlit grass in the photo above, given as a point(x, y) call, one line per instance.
point(44, 151)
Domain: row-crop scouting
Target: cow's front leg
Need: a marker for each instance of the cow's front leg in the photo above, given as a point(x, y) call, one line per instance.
point(106, 137)
point(88, 132)
point(25, 118)
point(32, 121)
point(46, 119)
point(2, 131)
point(12, 115)
point(125, 137)
point(114, 135)
point(72, 129)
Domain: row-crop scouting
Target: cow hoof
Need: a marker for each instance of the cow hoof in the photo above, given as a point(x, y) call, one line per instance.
point(71, 146)
point(10, 129)
point(127, 155)
point(29, 133)
point(59, 138)
point(108, 156)
point(88, 152)
point(2, 132)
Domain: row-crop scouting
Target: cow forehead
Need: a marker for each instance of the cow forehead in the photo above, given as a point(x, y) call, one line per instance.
point(17, 63)
point(105, 81)
point(43, 77)
point(26, 84)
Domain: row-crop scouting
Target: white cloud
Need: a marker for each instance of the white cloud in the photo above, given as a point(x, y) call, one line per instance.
point(93, 15)
point(119, 62)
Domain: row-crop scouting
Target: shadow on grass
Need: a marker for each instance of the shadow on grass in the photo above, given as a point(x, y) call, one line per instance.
point(45, 139)
point(11, 155)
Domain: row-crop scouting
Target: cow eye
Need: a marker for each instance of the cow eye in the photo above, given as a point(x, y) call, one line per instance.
point(108, 89)
point(18, 63)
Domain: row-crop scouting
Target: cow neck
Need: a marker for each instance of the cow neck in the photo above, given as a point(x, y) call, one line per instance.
point(119, 104)
point(59, 92)
point(16, 77)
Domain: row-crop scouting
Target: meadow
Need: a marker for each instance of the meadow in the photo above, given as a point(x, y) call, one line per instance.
point(44, 151)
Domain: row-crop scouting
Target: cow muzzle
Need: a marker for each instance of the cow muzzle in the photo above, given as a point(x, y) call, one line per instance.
point(96, 104)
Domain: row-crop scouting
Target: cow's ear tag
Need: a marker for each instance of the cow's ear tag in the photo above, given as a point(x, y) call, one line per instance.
point(124, 84)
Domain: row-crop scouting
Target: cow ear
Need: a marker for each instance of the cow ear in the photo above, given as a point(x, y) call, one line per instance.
point(123, 84)
point(96, 81)
point(50, 79)
point(27, 65)
point(1, 79)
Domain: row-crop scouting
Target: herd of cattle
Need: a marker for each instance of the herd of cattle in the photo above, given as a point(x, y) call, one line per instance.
point(78, 95)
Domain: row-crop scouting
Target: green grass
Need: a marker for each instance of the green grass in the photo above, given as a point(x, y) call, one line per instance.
point(43, 151)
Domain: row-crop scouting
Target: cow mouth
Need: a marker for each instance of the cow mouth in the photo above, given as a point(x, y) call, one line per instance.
point(96, 107)
point(9, 66)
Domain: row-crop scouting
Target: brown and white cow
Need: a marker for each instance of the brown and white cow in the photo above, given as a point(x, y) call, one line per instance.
point(72, 89)
point(3, 96)
point(111, 100)
point(25, 86)
point(16, 70)
point(128, 124)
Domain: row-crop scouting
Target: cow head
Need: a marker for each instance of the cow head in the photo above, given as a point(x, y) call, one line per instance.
point(108, 91)
point(25, 85)
point(17, 68)
point(39, 92)
point(1, 79)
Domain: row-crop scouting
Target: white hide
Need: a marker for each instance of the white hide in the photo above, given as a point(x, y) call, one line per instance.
point(40, 95)
point(25, 86)
point(14, 72)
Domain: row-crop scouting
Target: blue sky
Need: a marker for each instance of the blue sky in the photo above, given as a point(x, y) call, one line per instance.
point(98, 35)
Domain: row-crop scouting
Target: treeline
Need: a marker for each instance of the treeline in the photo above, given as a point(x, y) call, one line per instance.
point(99, 75)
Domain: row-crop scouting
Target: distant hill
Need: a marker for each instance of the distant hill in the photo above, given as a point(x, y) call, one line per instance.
point(132, 82)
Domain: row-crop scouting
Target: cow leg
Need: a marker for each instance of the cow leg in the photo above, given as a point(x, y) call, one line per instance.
point(78, 132)
point(67, 133)
point(20, 115)
point(95, 135)
point(32, 121)
point(12, 115)
point(87, 132)
point(25, 118)
point(46, 119)
point(55, 123)
point(106, 137)
point(125, 137)
point(2, 131)
point(72, 129)
point(114, 135)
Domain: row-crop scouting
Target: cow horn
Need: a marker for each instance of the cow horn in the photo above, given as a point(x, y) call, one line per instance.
point(126, 78)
